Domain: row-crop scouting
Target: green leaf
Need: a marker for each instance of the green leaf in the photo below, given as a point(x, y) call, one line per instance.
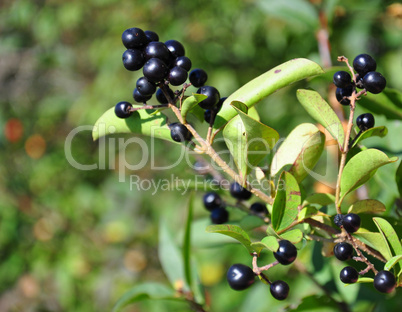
point(367, 206)
point(250, 222)
point(190, 103)
point(360, 168)
point(300, 152)
point(315, 303)
point(268, 242)
point(364, 280)
point(388, 103)
point(377, 131)
point(186, 250)
point(391, 262)
point(389, 233)
point(233, 231)
point(294, 236)
point(153, 291)
point(286, 203)
point(323, 113)
point(322, 199)
point(140, 122)
point(398, 178)
point(266, 84)
point(308, 212)
point(376, 241)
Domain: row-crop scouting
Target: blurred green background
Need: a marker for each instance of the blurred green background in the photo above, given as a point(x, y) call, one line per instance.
point(76, 240)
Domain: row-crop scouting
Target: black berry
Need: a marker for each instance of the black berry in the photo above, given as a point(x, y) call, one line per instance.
point(343, 251)
point(365, 121)
point(374, 82)
point(212, 200)
point(177, 76)
point(134, 38)
point(240, 276)
point(139, 97)
point(384, 281)
point(338, 220)
point(209, 115)
point(219, 215)
point(343, 93)
point(179, 132)
point(349, 275)
point(351, 222)
point(151, 35)
point(364, 63)
point(218, 106)
point(286, 253)
point(161, 98)
point(279, 290)
point(156, 49)
point(121, 109)
point(342, 79)
point(259, 208)
point(239, 192)
point(359, 81)
point(175, 47)
point(183, 61)
point(155, 70)
point(133, 59)
point(198, 77)
point(212, 97)
point(145, 87)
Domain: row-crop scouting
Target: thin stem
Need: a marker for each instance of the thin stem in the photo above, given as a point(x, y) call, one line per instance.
point(361, 257)
point(258, 270)
point(133, 109)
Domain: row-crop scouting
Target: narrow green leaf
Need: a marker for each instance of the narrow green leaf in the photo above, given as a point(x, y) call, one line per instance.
point(323, 113)
point(250, 222)
point(286, 203)
point(294, 236)
point(186, 250)
point(322, 199)
point(398, 178)
point(153, 291)
point(140, 122)
point(308, 212)
point(376, 241)
point(367, 206)
point(300, 152)
point(389, 233)
point(377, 131)
point(391, 262)
point(270, 243)
point(364, 280)
point(266, 84)
point(388, 103)
point(233, 231)
point(190, 103)
point(360, 168)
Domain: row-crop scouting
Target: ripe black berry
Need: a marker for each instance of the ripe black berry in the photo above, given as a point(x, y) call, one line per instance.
point(212, 99)
point(219, 215)
point(259, 208)
point(212, 200)
point(133, 59)
point(161, 98)
point(351, 222)
point(286, 253)
point(156, 49)
point(134, 38)
point(198, 77)
point(175, 47)
point(183, 61)
point(209, 115)
point(139, 97)
point(145, 87)
point(343, 251)
point(364, 63)
point(239, 192)
point(218, 106)
point(155, 70)
point(279, 290)
point(179, 132)
point(342, 93)
point(349, 275)
point(384, 281)
point(338, 220)
point(374, 82)
point(365, 121)
point(342, 79)
point(121, 109)
point(177, 76)
point(151, 35)
point(240, 276)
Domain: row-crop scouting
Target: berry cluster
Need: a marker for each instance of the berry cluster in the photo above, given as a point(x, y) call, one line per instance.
point(240, 276)
point(384, 281)
point(367, 78)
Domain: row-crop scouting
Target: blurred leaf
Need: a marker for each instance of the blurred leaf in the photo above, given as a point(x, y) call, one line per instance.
point(250, 222)
point(360, 168)
point(388, 103)
point(294, 236)
point(266, 84)
point(377, 131)
point(390, 235)
point(268, 242)
point(187, 243)
point(398, 178)
point(367, 206)
point(323, 113)
point(286, 203)
point(315, 303)
point(140, 122)
point(322, 199)
point(391, 262)
point(190, 103)
point(153, 291)
point(376, 241)
point(300, 151)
